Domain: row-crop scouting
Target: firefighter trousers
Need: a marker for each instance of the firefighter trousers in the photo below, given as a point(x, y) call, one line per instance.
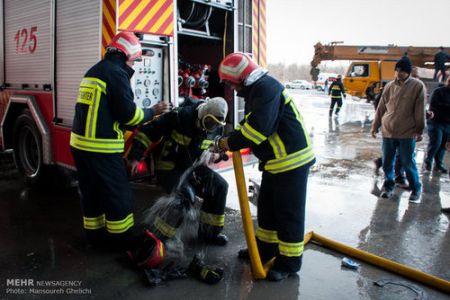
point(206, 184)
point(105, 198)
point(281, 218)
point(335, 101)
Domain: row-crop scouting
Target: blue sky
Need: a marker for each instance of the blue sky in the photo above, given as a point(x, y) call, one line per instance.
point(294, 26)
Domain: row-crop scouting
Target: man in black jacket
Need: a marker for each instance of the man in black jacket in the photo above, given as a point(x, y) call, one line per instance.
point(439, 63)
point(336, 91)
point(274, 129)
point(104, 105)
point(185, 133)
point(438, 128)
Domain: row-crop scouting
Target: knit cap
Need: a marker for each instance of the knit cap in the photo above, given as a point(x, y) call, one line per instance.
point(404, 64)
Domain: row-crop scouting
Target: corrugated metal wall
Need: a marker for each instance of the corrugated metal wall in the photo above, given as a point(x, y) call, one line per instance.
point(27, 51)
point(78, 36)
point(2, 44)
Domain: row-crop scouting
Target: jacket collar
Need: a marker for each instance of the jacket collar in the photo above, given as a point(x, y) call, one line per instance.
point(246, 89)
point(398, 82)
point(121, 63)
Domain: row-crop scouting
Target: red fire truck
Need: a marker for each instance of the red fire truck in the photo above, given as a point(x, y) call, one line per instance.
point(48, 45)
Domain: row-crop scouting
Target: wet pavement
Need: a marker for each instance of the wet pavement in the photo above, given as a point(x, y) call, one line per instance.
point(41, 237)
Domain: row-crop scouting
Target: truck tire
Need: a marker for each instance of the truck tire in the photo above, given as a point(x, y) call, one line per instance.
point(28, 153)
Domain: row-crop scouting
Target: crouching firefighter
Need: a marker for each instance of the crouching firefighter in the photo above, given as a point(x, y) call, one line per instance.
point(274, 129)
point(104, 105)
point(185, 133)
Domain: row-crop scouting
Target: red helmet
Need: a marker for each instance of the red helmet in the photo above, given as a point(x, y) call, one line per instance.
point(236, 67)
point(128, 43)
point(150, 252)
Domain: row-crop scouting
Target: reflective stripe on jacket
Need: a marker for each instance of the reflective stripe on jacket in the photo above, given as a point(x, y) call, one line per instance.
point(104, 104)
point(272, 127)
point(336, 90)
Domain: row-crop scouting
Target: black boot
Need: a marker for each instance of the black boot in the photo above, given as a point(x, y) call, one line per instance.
point(244, 254)
point(378, 164)
point(446, 210)
point(277, 275)
point(211, 235)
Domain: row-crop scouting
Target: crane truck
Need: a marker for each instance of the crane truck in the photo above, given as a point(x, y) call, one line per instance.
point(372, 66)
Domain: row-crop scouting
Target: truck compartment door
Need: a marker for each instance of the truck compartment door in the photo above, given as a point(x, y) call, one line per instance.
point(2, 45)
point(79, 47)
point(28, 43)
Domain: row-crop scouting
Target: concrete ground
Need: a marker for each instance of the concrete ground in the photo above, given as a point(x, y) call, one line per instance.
point(41, 237)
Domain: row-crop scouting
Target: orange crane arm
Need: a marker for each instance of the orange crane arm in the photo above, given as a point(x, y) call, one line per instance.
point(420, 56)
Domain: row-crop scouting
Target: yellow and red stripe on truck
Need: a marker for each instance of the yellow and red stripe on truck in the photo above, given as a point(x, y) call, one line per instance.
point(147, 16)
point(259, 32)
point(109, 23)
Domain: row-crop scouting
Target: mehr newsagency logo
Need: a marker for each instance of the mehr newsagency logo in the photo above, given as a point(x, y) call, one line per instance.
point(30, 286)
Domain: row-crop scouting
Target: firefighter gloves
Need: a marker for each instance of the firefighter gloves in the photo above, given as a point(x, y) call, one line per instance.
point(219, 145)
point(207, 274)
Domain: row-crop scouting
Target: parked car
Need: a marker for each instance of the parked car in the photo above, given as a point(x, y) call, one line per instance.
point(320, 83)
point(299, 84)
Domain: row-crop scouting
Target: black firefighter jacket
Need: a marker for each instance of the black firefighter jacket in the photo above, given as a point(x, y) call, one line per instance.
point(273, 128)
point(182, 141)
point(104, 105)
point(336, 90)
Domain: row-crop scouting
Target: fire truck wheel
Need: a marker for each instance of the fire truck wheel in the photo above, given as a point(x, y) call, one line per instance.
point(28, 148)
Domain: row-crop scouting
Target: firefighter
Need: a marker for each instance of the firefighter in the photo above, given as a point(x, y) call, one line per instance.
point(274, 129)
point(336, 91)
point(104, 105)
point(186, 132)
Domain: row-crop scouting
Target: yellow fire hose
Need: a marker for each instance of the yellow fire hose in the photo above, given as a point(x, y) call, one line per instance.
point(259, 271)
point(384, 263)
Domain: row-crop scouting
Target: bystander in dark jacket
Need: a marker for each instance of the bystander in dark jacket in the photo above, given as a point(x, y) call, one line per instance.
point(438, 128)
point(439, 63)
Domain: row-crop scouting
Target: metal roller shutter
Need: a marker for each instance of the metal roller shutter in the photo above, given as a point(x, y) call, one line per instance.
point(28, 42)
point(2, 58)
point(78, 33)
